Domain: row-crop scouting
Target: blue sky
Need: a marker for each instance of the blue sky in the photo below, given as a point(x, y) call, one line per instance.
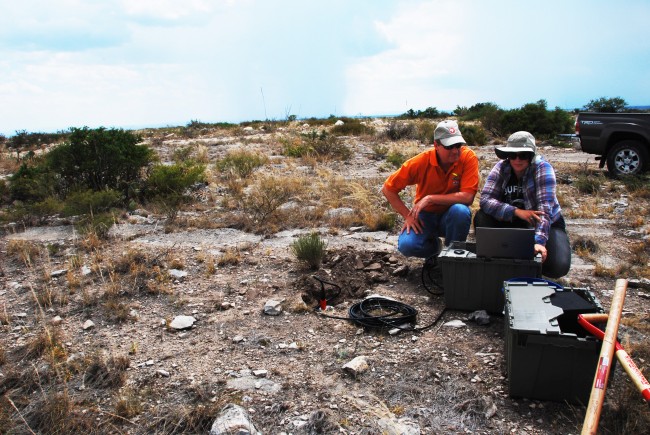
point(133, 63)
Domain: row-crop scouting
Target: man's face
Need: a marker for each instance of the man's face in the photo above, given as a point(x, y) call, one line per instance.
point(448, 155)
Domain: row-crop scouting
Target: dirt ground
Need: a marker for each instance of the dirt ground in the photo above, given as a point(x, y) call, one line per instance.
point(286, 370)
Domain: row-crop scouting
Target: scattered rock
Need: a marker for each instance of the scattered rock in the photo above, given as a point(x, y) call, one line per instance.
point(273, 307)
point(481, 317)
point(455, 324)
point(58, 273)
point(642, 283)
point(402, 270)
point(357, 366)
point(88, 324)
point(182, 322)
point(233, 419)
point(179, 275)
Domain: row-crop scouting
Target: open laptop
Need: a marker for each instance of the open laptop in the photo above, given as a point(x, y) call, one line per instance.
point(517, 243)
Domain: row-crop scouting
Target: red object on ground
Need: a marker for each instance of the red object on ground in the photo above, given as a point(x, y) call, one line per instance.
point(623, 357)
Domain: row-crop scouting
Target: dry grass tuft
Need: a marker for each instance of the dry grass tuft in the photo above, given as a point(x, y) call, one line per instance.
point(230, 257)
point(186, 419)
point(25, 251)
point(128, 405)
point(107, 374)
point(49, 341)
point(56, 413)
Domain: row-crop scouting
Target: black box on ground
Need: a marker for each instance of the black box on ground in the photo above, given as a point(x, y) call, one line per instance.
point(474, 283)
point(549, 356)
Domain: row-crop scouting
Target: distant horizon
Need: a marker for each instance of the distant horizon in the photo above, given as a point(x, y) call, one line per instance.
point(299, 118)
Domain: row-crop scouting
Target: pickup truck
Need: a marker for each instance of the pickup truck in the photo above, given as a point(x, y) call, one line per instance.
point(622, 140)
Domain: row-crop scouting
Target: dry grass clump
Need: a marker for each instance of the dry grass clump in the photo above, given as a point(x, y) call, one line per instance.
point(102, 373)
point(56, 412)
point(258, 206)
point(584, 247)
point(369, 207)
point(197, 418)
point(48, 341)
point(128, 404)
point(230, 257)
point(240, 163)
point(589, 184)
point(136, 271)
point(25, 251)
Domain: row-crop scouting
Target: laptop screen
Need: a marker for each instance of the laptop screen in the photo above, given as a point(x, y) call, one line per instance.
point(516, 243)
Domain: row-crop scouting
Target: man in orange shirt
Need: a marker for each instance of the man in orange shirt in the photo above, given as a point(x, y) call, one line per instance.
point(446, 180)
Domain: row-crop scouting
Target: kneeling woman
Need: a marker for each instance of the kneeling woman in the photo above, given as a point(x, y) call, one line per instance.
point(520, 191)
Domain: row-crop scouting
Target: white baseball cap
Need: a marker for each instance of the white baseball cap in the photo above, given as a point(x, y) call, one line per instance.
point(448, 133)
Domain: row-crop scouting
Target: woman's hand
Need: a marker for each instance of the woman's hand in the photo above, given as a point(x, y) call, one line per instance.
point(541, 249)
point(532, 217)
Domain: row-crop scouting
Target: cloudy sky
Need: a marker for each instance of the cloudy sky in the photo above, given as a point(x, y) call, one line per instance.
point(134, 63)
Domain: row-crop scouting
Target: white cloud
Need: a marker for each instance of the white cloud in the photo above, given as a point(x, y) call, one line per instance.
point(427, 50)
point(170, 10)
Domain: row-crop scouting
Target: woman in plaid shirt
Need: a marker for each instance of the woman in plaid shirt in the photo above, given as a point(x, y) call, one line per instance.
point(520, 191)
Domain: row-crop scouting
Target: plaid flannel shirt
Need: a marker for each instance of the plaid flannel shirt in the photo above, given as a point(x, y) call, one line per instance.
point(539, 194)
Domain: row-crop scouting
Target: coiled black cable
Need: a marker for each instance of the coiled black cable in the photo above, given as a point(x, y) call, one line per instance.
point(393, 314)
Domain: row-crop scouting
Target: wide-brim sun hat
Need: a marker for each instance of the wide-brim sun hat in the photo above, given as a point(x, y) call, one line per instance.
point(448, 133)
point(518, 142)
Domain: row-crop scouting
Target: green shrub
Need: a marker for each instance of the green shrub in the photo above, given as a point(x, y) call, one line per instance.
point(240, 163)
point(32, 182)
point(589, 184)
point(473, 134)
point(603, 104)
point(425, 131)
point(99, 159)
point(309, 249)
point(326, 146)
point(168, 185)
point(266, 195)
point(379, 151)
point(535, 118)
point(352, 127)
point(477, 111)
point(97, 224)
point(428, 113)
point(295, 148)
point(401, 130)
point(90, 202)
point(396, 158)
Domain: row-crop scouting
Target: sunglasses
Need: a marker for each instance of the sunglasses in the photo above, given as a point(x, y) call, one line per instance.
point(454, 146)
point(524, 155)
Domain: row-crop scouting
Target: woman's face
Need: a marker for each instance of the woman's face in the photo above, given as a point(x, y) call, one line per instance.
point(519, 161)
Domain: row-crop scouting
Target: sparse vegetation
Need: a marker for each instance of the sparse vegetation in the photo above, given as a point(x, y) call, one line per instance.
point(133, 373)
point(240, 163)
point(309, 249)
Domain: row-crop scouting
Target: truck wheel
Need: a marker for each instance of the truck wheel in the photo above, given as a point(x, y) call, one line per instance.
point(628, 157)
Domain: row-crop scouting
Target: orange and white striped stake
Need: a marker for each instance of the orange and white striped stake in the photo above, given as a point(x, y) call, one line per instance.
point(597, 397)
point(641, 383)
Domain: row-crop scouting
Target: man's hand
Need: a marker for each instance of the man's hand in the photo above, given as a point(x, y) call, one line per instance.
point(412, 222)
point(542, 250)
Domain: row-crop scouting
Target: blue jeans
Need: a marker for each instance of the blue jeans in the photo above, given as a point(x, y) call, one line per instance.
point(453, 225)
